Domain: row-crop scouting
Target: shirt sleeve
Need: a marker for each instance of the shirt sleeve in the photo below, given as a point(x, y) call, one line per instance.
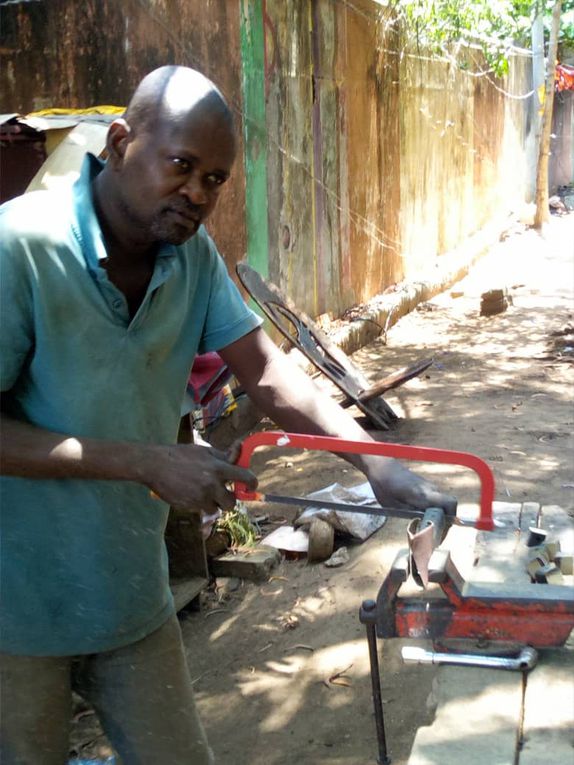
point(16, 304)
point(228, 317)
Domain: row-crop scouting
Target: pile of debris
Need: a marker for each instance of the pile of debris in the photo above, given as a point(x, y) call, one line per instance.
point(562, 202)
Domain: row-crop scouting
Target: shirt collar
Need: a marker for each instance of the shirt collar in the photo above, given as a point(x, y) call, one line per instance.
point(86, 225)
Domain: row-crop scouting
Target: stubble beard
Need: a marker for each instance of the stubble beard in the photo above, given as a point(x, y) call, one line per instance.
point(169, 232)
point(160, 229)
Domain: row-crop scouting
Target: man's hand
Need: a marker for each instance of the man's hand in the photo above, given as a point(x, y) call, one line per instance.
point(187, 476)
point(396, 486)
point(287, 396)
point(195, 478)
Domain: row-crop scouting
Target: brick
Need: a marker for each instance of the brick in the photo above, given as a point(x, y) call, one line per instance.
point(254, 563)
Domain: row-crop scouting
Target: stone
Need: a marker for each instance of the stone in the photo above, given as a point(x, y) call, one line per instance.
point(549, 574)
point(494, 301)
point(565, 563)
point(549, 709)
point(339, 558)
point(477, 718)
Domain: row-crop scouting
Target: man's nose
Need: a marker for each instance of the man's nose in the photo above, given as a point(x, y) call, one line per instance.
point(194, 190)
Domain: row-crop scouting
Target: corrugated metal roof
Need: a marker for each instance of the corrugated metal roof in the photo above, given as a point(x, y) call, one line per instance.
point(18, 2)
point(58, 121)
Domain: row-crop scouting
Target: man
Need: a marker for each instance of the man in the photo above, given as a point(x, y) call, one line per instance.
point(107, 295)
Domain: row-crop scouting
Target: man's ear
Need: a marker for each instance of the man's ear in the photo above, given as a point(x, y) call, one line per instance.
point(119, 136)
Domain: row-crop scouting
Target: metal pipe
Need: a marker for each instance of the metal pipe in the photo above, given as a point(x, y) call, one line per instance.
point(370, 607)
point(525, 660)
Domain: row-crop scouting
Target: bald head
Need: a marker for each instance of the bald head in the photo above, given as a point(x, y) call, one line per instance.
point(169, 94)
point(168, 160)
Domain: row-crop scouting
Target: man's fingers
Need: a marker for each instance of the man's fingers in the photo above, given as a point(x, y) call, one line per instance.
point(227, 471)
point(435, 498)
point(232, 472)
point(216, 453)
point(225, 500)
point(417, 493)
point(232, 453)
point(236, 473)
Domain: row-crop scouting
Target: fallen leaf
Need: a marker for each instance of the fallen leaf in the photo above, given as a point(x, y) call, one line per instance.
point(288, 622)
point(300, 646)
point(216, 611)
point(339, 678)
point(272, 592)
point(341, 681)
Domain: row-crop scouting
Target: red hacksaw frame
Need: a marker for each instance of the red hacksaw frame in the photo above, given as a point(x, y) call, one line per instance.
point(400, 451)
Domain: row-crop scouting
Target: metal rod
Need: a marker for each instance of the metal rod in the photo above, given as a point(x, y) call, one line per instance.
point(526, 659)
point(383, 758)
point(344, 506)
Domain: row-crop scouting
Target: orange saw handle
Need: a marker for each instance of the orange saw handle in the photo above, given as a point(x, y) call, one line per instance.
point(400, 451)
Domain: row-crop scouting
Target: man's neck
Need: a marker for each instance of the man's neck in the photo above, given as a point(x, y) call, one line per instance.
point(121, 245)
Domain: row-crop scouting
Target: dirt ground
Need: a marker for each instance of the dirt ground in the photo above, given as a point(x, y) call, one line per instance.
point(281, 669)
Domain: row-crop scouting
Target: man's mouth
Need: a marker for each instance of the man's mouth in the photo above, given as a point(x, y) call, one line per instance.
point(188, 219)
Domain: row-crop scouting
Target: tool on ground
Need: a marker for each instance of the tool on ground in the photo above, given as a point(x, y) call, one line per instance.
point(525, 660)
point(321, 351)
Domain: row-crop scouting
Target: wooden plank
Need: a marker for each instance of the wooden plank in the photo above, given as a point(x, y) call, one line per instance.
point(549, 709)
point(502, 555)
point(254, 563)
point(185, 545)
point(560, 526)
point(496, 551)
point(186, 590)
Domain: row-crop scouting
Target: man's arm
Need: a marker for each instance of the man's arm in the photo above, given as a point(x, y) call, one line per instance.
point(187, 476)
point(280, 389)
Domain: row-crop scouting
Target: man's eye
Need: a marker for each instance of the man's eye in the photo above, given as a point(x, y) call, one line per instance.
point(183, 165)
point(215, 180)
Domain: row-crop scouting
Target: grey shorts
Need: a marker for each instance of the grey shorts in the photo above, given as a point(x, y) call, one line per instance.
point(142, 694)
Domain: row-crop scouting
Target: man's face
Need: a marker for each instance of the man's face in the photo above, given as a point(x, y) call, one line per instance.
point(170, 178)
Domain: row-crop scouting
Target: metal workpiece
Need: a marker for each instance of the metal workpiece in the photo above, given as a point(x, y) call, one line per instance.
point(424, 537)
point(525, 661)
point(435, 517)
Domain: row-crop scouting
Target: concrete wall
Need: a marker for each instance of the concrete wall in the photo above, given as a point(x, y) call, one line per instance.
point(561, 161)
point(363, 161)
point(380, 159)
point(333, 153)
point(462, 154)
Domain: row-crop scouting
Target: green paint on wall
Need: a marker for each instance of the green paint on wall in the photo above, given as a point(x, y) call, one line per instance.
point(255, 134)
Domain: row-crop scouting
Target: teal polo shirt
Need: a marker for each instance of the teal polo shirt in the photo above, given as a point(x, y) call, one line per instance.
point(83, 564)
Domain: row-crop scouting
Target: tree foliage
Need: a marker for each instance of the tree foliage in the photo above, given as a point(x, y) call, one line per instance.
point(495, 26)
